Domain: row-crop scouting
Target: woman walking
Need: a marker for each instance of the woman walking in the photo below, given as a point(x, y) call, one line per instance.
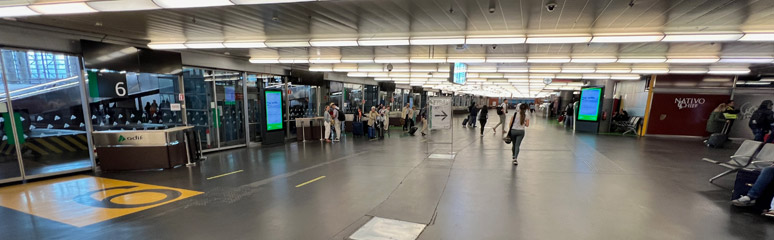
point(519, 123)
point(372, 121)
point(483, 114)
point(327, 122)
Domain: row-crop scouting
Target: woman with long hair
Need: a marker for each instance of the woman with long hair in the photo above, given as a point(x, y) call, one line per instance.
point(519, 123)
point(483, 115)
point(716, 121)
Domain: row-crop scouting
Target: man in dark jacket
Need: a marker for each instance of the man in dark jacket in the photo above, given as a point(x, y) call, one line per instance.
point(473, 113)
point(761, 121)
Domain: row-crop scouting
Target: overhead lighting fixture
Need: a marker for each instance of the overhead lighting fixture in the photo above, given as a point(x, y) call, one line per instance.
point(625, 77)
point(506, 60)
point(758, 37)
point(569, 76)
point(169, 45)
point(519, 39)
point(544, 70)
point(482, 69)
point(746, 59)
point(62, 8)
point(650, 70)
point(391, 60)
point(509, 69)
point(641, 59)
point(264, 60)
point(520, 76)
point(123, 5)
point(467, 60)
point(333, 42)
point(541, 76)
point(613, 70)
point(294, 60)
point(427, 60)
point(244, 44)
point(344, 67)
point(383, 41)
point(596, 76)
point(687, 70)
point(357, 74)
point(437, 40)
point(17, 11)
point(702, 37)
point(324, 60)
point(204, 45)
point(578, 70)
point(287, 43)
point(698, 60)
point(729, 71)
point(604, 38)
point(357, 60)
point(548, 39)
point(378, 74)
point(548, 60)
point(594, 59)
point(192, 3)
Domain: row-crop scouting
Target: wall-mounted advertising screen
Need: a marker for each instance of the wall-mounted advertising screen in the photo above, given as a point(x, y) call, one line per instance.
point(590, 101)
point(458, 73)
point(273, 101)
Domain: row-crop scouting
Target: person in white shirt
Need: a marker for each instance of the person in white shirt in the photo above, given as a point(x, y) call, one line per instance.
point(502, 110)
point(519, 123)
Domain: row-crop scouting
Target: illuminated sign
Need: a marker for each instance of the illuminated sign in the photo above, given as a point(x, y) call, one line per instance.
point(273, 99)
point(458, 73)
point(590, 104)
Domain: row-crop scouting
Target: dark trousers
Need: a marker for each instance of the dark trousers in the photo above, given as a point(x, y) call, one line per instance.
point(516, 137)
point(483, 123)
point(407, 123)
point(760, 133)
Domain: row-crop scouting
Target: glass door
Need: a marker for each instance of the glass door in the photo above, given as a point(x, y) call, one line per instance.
point(253, 108)
point(200, 106)
point(230, 108)
point(44, 120)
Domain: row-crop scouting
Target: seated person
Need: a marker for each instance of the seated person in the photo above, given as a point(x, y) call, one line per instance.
point(767, 174)
point(622, 115)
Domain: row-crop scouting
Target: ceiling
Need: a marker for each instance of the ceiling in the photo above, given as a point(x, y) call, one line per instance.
point(418, 18)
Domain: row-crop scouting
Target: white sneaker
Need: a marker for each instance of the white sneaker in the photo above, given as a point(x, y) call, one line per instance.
point(743, 201)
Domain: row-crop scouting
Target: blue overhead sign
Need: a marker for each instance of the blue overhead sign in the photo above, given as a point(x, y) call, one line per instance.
point(458, 73)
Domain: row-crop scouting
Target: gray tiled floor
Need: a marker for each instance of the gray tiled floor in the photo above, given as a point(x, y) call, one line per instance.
point(566, 187)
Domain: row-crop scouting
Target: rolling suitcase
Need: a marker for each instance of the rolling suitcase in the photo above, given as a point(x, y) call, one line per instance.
point(465, 122)
point(357, 128)
point(413, 130)
point(716, 140)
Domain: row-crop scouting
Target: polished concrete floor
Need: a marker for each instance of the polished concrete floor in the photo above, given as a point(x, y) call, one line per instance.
point(566, 187)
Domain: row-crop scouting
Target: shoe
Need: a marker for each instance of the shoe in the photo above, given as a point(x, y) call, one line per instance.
point(423, 134)
point(327, 140)
point(768, 213)
point(743, 201)
point(336, 140)
point(493, 130)
point(515, 162)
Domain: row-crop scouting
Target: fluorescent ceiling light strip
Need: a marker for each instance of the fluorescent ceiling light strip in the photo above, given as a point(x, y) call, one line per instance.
point(713, 37)
point(505, 60)
point(547, 60)
point(294, 60)
point(62, 8)
point(383, 42)
point(427, 60)
point(17, 11)
point(730, 71)
point(287, 44)
point(170, 45)
point(264, 60)
point(569, 76)
point(650, 70)
point(437, 40)
point(594, 59)
point(688, 70)
point(495, 39)
point(467, 60)
point(391, 60)
point(192, 3)
point(357, 74)
point(123, 5)
point(626, 38)
point(331, 60)
point(625, 77)
point(613, 70)
point(596, 76)
point(758, 37)
point(541, 76)
point(204, 45)
point(557, 39)
point(513, 69)
point(578, 70)
point(357, 60)
point(244, 44)
point(333, 42)
point(746, 59)
point(692, 59)
point(545, 70)
point(641, 59)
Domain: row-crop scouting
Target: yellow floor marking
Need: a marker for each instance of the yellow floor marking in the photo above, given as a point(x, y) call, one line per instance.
point(225, 174)
point(84, 200)
point(310, 181)
point(35, 148)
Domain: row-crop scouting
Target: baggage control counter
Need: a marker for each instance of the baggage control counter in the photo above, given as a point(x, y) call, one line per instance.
point(142, 149)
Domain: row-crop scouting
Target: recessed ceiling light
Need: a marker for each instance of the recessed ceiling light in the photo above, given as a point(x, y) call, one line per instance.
point(547, 39)
point(123, 5)
point(17, 11)
point(615, 38)
point(702, 37)
point(495, 39)
point(758, 37)
point(62, 8)
point(167, 45)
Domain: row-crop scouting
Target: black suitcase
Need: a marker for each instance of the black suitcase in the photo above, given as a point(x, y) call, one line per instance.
point(716, 140)
point(357, 128)
point(413, 130)
point(465, 122)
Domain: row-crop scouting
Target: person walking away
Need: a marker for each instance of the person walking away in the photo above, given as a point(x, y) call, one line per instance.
point(473, 112)
point(532, 107)
point(423, 119)
point(716, 122)
point(327, 123)
point(519, 123)
point(502, 110)
point(761, 122)
point(372, 116)
point(340, 118)
point(483, 114)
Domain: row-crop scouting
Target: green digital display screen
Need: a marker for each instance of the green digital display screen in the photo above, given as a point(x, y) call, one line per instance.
point(589, 104)
point(273, 101)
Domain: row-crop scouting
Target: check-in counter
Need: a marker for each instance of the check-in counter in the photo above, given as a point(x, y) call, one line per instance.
point(142, 149)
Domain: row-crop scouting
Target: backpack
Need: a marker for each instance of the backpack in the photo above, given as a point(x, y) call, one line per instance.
point(341, 117)
point(500, 111)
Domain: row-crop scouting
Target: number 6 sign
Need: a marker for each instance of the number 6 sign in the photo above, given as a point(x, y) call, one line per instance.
point(107, 85)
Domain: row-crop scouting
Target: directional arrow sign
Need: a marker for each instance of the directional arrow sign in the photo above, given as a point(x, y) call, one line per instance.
point(444, 115)
point(440, 108)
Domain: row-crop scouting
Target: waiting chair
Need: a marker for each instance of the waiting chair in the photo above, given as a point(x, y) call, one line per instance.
point(744, 156)
point(765, 157)
point(632, 125)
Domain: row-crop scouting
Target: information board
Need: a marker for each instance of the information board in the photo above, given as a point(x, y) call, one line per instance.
point(458, 73)
point(273, 101)
point(229, 95)
point(440, 110)
point(589, 104)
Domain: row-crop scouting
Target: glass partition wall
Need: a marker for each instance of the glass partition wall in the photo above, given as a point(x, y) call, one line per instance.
point(215, 107)
point(43, 127)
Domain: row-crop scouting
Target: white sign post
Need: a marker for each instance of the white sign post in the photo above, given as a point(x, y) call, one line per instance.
point(440, 117)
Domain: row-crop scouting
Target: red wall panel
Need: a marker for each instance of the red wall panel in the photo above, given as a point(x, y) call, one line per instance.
point(682, 114)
